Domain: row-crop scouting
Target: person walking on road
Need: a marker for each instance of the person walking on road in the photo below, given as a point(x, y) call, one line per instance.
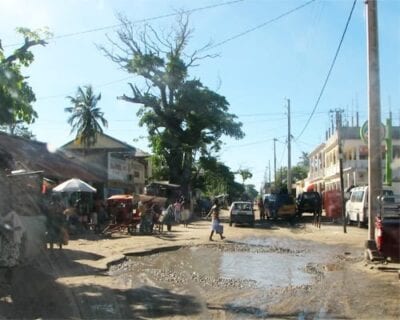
point(216, 225)
point(261, 208)
point(178, 208)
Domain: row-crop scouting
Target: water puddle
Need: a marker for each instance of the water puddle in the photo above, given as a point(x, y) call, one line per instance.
point(267, 269)
point(275, 262)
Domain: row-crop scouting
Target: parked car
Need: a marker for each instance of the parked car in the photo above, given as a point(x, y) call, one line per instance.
point(241, 212)
point(357, 205)
point(310, 202)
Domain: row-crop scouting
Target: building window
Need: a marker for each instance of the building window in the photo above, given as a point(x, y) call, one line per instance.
point(396, 152)
point(137, 174)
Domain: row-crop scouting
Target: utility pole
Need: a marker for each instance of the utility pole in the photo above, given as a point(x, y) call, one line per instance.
point(389, 151)
point(275, 140)
point(289, 173)
point(269, 174)
point(374, 120)
point(338, 113)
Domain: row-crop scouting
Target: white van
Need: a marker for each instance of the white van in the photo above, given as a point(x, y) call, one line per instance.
point(357, 205)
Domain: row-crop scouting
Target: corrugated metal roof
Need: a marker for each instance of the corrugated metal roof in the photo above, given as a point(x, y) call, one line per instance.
point(34, 155)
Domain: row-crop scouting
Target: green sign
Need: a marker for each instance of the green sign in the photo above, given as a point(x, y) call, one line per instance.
point(364, 132)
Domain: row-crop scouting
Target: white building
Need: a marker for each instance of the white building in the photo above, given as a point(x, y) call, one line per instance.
point(324, 161)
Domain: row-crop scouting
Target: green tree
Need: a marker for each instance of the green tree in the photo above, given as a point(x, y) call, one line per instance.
point(86, 116)
point(216, 178)
point(16, 96)
point(184, 118)
point(298, 173)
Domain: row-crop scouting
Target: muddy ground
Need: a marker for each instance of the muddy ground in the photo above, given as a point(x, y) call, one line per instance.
point(274, 271)
point(285, 279)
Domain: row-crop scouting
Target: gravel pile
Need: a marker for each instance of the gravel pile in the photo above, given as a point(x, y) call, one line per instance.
point(244, 247)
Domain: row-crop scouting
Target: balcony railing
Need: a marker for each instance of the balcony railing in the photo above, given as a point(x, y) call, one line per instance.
point(334, 169)
point(355, 164)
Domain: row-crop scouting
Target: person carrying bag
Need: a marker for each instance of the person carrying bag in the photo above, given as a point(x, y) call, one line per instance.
point(216, 225)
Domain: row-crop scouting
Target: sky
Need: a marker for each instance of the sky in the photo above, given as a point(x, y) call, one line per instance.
point(265, 57)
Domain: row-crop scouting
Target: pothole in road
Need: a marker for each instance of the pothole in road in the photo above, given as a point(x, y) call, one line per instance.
point(250, 263)
point(257, 278)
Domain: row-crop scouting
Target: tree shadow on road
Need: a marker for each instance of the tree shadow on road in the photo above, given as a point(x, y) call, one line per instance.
point(97, 302)
point(63, 263)
point(30, 293)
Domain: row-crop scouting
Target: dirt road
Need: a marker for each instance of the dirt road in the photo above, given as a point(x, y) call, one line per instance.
point(196, 279)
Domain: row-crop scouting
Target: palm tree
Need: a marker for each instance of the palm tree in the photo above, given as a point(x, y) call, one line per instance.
point(85, 116)
point(305, 159)
point(245, 174)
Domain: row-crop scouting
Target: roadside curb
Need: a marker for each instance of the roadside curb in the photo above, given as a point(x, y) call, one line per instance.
point(150, 251)
point(106, 263)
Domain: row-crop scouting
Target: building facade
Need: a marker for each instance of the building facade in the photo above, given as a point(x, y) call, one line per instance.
point(124, 169)
point(324, 173)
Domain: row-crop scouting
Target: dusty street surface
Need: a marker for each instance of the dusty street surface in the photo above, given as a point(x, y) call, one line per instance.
point(274, 271)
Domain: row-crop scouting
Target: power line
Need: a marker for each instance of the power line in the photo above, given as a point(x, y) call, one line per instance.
point(275, 119)
point(261, 25)
point(174, 14)
point(329, 72)
point(283, 153)
point(299, 148)
point(275, 114)
point(72, 34)
point(248, 144)
point(96, 86)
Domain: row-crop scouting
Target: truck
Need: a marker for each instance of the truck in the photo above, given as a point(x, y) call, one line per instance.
point(309, 202)
point(280, 205)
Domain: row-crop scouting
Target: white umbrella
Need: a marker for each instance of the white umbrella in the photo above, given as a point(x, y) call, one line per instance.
point(74, 185)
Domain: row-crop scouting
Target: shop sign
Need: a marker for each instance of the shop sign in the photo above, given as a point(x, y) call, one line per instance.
point(117, 169)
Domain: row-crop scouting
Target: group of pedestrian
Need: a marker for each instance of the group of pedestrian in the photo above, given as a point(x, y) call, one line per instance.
point(173, 214)
point(150, 214)
point(63, 221)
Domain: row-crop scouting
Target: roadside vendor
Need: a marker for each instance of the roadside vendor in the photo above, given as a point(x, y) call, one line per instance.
point(156, 210)
point(146, 217)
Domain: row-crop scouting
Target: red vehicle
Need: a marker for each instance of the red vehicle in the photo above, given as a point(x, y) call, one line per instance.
point(387, 228)
point(121, 212)
point(332, 203)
